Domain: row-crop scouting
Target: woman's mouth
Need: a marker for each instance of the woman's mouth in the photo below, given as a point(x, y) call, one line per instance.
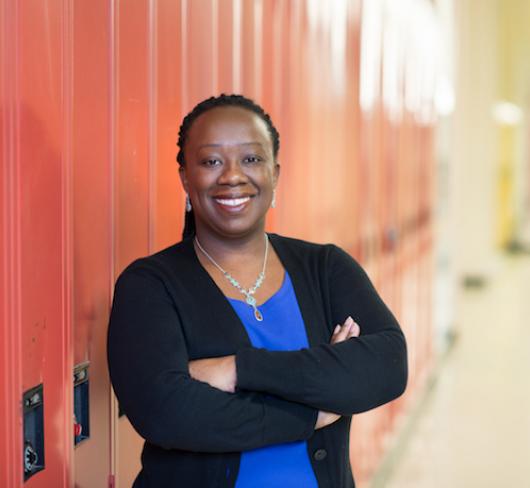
point(232, 204)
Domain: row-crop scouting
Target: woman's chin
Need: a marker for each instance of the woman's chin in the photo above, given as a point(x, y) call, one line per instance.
point(235, 228)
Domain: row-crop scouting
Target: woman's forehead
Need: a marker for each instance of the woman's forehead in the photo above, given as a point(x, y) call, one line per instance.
point(224, 124)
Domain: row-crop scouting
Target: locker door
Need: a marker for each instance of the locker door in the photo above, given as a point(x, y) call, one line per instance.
point(200, 51)
point(168, 199)
point(132, 176)
point(11, 473)
point(92, 210)
point(226, 43)
point(41, 191)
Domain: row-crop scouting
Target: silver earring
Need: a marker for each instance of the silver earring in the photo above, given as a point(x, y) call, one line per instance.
point(273, 203)
point(188, 203)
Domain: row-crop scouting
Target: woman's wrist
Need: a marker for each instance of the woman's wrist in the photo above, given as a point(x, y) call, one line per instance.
point(231, 372)
point(217, 372)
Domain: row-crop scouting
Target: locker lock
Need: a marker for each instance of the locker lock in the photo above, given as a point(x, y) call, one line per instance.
point(30, 458)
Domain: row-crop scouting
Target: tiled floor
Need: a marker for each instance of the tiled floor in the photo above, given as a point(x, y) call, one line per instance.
point(474, 428)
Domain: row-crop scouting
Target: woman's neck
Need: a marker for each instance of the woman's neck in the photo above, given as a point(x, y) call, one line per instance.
point(229, 250)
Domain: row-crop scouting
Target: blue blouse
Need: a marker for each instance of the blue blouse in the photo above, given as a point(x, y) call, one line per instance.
point(282, 329)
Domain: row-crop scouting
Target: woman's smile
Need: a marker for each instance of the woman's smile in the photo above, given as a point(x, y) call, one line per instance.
point(233, 204)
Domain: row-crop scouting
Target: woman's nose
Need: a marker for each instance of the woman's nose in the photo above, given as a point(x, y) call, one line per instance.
point(232, 173)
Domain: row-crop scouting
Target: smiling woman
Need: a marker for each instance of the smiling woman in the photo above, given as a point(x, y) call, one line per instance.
point(229, 171)
point(235, 353)
point(234, 161)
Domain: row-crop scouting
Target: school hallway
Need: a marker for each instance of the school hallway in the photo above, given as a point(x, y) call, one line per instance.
point(472, 428)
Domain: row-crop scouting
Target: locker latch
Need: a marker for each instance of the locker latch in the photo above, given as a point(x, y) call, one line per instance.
point(81, 403)
point(33, 455)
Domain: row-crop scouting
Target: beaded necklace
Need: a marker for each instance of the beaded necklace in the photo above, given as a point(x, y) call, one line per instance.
point(249, 294)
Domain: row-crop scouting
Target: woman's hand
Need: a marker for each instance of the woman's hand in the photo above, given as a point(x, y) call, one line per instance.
point(341, 333)
point(217, 372)
point(349, 329)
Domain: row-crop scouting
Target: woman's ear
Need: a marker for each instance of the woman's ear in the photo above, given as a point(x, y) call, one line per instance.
point(183, 178)
point(276, 174)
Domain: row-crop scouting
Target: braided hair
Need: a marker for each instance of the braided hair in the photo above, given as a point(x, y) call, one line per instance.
point(222, 100)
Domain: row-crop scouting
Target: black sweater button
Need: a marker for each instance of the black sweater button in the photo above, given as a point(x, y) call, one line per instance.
point(320, 454)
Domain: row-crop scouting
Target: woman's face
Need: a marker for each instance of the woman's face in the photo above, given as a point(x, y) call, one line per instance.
point(230, 171)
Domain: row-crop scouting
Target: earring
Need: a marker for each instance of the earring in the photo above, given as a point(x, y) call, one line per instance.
point(273, 203)
point(188, 203)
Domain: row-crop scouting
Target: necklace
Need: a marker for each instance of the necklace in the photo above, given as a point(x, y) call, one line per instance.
point(249, 298)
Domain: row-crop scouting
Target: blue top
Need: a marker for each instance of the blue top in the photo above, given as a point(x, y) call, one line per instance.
point(282, 329)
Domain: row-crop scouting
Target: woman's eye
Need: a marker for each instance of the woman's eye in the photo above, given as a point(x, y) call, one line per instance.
point(252, 159)
point(211, 162)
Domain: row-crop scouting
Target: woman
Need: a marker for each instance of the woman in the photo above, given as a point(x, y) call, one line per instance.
point(224, 349)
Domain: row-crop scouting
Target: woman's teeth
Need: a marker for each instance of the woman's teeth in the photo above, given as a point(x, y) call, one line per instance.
point(232, 202)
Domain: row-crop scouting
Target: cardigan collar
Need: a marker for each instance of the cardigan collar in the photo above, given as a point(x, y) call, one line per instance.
point(294, 263)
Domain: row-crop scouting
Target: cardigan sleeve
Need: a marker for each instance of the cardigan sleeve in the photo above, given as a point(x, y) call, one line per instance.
point(353, 376)
point(148, 366)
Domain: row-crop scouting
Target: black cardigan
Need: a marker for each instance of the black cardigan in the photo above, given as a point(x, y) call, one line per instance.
point(167, 311)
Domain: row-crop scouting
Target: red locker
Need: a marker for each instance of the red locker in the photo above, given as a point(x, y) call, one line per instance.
point(91, 227)
point(37, 325)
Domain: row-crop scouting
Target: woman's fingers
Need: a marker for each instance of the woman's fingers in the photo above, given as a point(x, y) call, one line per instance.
point(345, 331)
point(355, 330)
point(341, 333)
point(325, 418)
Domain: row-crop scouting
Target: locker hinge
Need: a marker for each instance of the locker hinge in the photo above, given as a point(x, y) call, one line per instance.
point(111, 481)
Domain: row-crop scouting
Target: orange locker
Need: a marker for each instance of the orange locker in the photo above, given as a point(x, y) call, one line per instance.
point(38, 246)
point(132, 189)
point(91, 229)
